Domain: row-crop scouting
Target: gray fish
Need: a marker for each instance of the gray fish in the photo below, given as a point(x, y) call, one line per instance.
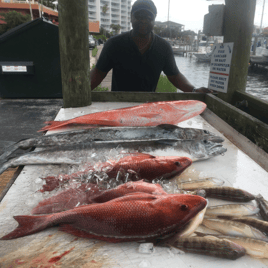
point(263, 206)
point(164, 131)
point(254, 247)
point(233, 228)
point(80, 154)
point(232, 209)
point(212, 247)
point(228, 193)
point(258, 224)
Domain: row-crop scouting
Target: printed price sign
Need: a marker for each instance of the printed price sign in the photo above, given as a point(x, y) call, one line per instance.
point(220, 67)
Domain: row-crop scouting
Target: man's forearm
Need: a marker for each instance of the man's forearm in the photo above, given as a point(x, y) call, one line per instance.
point(96, 77)
point(181, 82)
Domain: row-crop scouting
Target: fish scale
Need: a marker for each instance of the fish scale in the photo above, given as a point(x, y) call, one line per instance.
point(131, 217)
point(147, 114)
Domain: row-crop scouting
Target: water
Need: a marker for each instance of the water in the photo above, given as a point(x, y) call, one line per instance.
point(198, 73)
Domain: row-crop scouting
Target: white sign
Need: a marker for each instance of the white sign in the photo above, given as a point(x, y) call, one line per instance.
point(14, 68)
point(220, 67)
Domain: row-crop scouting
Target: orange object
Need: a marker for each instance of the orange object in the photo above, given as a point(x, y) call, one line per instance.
point(139, 166)
point(147, 114)
point(132, 217)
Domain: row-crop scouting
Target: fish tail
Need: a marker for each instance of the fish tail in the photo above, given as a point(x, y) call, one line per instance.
point(4, 166)
point(28, 225)
point(8, 151)
point(54, 125)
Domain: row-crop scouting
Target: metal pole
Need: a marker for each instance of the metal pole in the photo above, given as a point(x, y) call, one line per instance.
point(168, 20)
point(262, 15)
point(31, 9)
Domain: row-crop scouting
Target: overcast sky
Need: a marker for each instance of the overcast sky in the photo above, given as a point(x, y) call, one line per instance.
point(191, 12)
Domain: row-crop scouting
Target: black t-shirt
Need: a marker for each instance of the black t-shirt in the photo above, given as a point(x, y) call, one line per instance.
point(133, 71)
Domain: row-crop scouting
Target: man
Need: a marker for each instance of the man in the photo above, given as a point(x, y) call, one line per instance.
point(138, 57)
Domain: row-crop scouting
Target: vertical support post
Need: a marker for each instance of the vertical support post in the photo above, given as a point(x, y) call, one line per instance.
point(238, 28)
point(74, 53)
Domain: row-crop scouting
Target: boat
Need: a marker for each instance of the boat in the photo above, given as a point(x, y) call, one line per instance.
point(261, 54)
point(204, 51)
point(203, 57)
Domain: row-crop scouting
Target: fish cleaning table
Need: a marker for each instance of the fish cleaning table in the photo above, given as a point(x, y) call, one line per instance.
point(52, 248)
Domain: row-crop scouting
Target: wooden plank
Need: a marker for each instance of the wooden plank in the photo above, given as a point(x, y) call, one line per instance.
point(254, 129)
point(238, 28)
point(144, 96)
point(240, 141)
point(255, 106)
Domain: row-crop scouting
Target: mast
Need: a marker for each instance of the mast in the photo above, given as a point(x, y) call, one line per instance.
point(262, 15)
point(168, 19)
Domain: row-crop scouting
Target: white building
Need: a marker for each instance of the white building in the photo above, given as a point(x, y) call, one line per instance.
point(118, 13)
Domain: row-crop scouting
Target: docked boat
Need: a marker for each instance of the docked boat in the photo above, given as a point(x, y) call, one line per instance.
point(261, 56)
point(204, 51)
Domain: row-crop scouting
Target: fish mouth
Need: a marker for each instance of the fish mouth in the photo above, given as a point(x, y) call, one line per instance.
point(193, 223)
point(196, 210)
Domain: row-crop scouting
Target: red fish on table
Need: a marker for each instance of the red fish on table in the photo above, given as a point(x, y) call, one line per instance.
point(133, 217)
point(89, 193)
point(139, 166)
point(146, 114)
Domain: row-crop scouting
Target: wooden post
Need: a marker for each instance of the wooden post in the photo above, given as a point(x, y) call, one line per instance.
point(238, 28)
point(74, 52)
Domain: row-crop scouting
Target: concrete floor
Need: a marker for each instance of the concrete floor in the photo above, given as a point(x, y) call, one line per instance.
point(21, 119)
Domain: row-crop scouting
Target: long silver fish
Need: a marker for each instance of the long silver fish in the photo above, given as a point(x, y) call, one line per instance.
point(232, 209)
point(165, 131)
point(256, 223)
point(80, 154)
point(263, 206)
point(233, 228)
point(212, 247)
point(254, 247)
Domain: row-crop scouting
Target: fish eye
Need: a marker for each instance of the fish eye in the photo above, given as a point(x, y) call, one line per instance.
point(205, 141)
point(206, 132)
point(177, 164)
point(184, 207)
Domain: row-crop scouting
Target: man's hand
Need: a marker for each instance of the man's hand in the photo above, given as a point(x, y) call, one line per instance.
point(204, 90)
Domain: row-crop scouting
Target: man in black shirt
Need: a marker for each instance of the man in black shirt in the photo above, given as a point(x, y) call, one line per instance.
point(138, 57)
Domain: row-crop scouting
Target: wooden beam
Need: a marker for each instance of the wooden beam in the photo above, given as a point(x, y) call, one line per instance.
point(74, 53)
point(255, 106)
point(252, 128)
point(144, 96)
point(238, 28)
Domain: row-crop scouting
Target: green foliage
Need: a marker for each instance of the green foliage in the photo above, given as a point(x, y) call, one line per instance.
point(94, 52)
point(164, 85)
point(116, 27)
point(14, 19)
point(104, 9)
point(100, 36)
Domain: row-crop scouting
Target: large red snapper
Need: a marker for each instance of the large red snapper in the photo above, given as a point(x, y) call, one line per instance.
point(146, 114)
point(89, 193)
point(132, 217)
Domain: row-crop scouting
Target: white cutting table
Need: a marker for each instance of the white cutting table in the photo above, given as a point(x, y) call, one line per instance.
point(52, 248)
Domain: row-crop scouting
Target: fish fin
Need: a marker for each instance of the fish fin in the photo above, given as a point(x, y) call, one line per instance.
point(168, 126)
point(28, 225)
point(134, 196)
point(54, 125)
point(149, 115)
point(67, 228)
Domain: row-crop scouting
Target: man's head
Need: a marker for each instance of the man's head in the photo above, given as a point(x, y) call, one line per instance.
point(143, 14)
